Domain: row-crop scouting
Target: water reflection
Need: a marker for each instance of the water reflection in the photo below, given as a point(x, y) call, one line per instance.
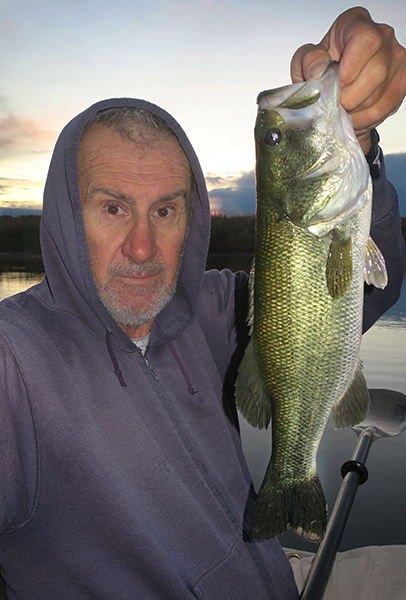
point(13, 282)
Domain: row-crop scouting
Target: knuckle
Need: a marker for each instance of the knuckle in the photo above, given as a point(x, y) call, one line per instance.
point(372, 39)
point(381, 70)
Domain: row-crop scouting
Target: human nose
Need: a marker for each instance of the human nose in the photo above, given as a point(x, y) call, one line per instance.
point(139, 243)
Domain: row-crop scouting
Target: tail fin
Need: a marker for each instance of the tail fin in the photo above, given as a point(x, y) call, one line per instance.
point(282, 505)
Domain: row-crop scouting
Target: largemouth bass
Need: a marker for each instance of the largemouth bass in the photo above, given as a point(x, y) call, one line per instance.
point(313, 254)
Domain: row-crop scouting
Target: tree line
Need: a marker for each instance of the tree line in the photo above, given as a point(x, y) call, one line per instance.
point(229, 234)
point(20, 235)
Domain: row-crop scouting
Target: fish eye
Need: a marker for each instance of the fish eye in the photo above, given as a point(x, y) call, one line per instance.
point(273, 137)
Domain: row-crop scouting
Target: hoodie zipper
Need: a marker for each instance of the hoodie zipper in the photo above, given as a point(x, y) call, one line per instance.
point(120, 376)
point(150, 369)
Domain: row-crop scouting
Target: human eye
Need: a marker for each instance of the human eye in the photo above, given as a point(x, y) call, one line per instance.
point(164, 212)
point(114, 209)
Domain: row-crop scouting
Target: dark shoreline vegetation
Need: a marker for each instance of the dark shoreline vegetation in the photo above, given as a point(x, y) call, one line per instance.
point(19, 244)
point(231, 243)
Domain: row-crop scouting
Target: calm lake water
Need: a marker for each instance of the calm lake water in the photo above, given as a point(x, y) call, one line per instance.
point(378, 514)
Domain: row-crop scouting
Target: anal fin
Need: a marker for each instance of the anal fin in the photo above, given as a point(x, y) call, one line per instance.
point(354, 405)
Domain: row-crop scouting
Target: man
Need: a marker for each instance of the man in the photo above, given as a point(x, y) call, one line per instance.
point(122, 473)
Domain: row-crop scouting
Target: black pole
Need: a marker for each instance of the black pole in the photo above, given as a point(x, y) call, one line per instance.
point(355, 474)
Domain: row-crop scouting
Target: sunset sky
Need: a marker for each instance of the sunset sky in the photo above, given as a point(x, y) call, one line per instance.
point(204, 61)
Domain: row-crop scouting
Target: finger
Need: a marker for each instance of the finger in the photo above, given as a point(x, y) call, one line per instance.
point(374, 111)
point(370, 85)
point(373, 115)
point(365, 120)
point(309, 62)
point(354, 40)
point(388, 94)
point(372, 49)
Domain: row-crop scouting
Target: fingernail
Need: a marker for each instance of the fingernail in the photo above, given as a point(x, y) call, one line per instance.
point(317, 69)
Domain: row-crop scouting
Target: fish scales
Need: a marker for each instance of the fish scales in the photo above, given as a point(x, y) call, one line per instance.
point(307, 295)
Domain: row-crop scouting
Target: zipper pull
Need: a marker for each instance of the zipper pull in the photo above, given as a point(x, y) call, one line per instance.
point(150, 369)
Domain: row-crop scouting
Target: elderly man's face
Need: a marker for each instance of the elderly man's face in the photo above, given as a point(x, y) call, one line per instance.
point(135, 201)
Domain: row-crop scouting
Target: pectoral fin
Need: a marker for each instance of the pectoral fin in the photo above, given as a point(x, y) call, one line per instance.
point(251, 395)
point(375, 268)
point(339, 266)
point(354, 405)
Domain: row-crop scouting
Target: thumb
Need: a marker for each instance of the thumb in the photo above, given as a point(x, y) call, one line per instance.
point(309, 62)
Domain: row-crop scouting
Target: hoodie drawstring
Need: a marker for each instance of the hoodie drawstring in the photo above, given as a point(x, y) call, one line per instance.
point(120, 376)
point(114, 360)
point(182, 368)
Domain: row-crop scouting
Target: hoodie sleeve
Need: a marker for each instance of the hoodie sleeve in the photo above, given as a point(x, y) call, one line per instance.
point(222, 315)
point(387, 234)
point(18, 447)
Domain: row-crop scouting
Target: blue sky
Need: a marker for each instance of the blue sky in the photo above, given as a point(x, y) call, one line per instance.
point(204, 61)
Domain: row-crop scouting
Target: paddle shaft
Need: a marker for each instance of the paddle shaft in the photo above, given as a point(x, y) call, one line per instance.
point(355, 474)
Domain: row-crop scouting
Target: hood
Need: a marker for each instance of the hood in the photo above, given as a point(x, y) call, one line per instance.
point(69, 285)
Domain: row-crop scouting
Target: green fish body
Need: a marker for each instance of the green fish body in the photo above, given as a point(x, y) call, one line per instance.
point(312, 238)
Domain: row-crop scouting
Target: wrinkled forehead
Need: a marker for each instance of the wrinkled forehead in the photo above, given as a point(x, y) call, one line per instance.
point(142, 128)
point(138, 138)
point(104, 150)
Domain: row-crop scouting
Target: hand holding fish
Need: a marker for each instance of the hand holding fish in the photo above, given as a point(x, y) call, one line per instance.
point(372, 68)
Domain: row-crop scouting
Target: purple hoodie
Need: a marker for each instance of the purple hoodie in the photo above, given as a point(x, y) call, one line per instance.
point(116, 484)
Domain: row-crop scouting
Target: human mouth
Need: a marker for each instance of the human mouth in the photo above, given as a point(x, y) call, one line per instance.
point(142, 271)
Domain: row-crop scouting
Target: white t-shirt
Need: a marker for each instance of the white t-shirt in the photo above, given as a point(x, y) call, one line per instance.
point(142, 343)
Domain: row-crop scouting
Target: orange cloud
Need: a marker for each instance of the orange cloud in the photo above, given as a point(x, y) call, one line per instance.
point(17, 133)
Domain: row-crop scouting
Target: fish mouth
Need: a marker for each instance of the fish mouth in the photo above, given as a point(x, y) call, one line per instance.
point(301, 96)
